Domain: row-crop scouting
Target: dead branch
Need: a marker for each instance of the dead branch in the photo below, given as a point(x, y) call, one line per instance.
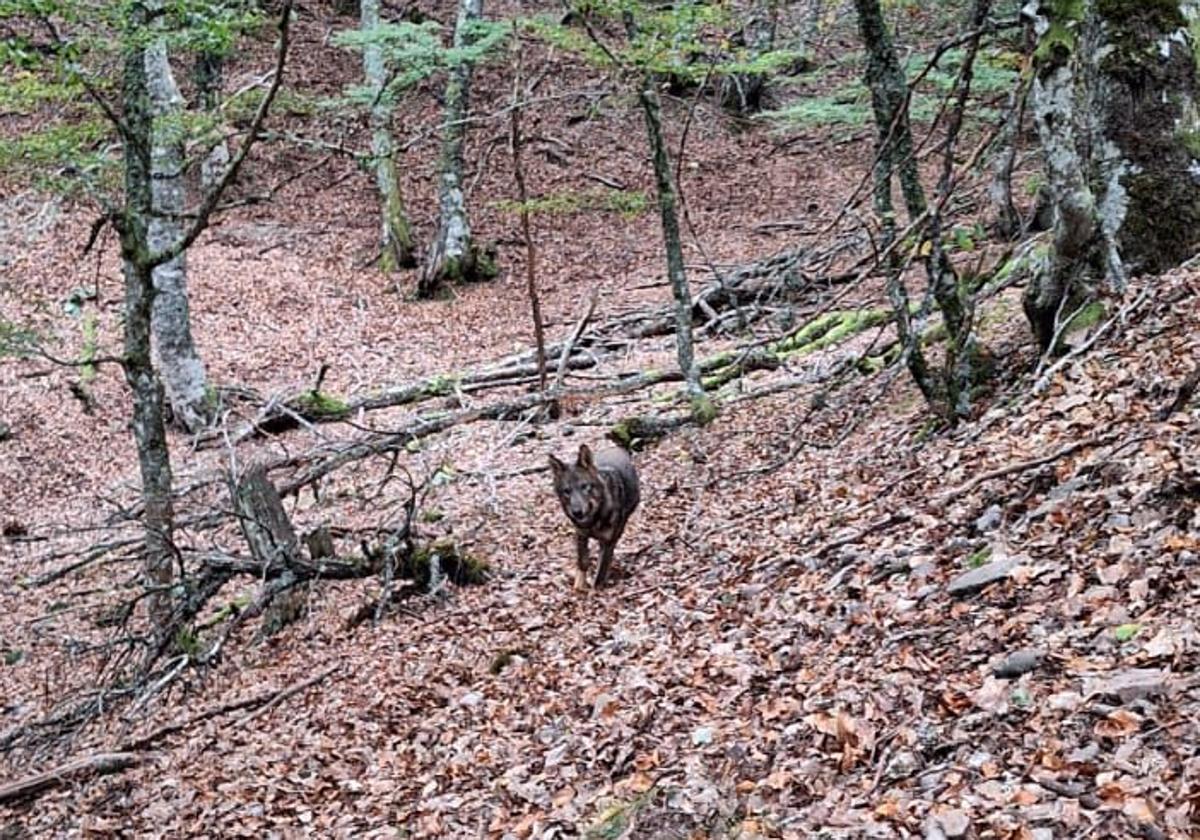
point(284, 694)
point(1022, 466)
point(569, 345)
point(72, 771)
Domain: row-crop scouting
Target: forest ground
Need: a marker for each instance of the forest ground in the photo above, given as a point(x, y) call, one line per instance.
point(782, 654)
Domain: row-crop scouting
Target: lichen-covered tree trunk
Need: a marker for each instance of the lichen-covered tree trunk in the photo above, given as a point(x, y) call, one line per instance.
point(1114, 100)
point(396, 242)
point(454, 256)
point(676, 273)
point(134, 226)
point(179, 363)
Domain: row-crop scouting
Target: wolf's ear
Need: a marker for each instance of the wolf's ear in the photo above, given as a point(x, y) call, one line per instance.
point(557, 467)
point(585, 458)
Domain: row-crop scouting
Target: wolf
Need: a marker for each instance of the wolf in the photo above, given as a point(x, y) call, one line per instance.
point(598, 493)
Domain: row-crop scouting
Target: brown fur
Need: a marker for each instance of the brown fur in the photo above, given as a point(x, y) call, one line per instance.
point(598, 494)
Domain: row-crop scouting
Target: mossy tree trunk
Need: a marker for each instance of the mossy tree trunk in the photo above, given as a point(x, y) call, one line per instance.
point(893, 150)
point(742, 93)
point(454, 256)
point(676, 272)
point(396, 241)
point(134, 227)
point(133, 221)
point(948, 393)
point(179, 362)
point(1114, 99)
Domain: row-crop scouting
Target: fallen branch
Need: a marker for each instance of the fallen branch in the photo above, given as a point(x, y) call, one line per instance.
point(284, 694)
point(72, 771)
point(1121, 315)
point(569, 346)
point(272, 697)
point(1023, 466)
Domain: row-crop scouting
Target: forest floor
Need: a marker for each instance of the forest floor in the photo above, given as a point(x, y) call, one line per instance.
point(790, 649)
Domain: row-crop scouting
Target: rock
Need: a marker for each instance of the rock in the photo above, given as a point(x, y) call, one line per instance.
point(1134, 684)
point(977, 579)
point(989, 521)
point(901, 766)
point(954, 823)
point(1018, 662)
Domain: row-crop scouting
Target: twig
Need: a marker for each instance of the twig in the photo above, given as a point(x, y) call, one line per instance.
point(834, 544)
point(285, 693)
point(574, 337)
point(1120, 315)
point(1023, 466)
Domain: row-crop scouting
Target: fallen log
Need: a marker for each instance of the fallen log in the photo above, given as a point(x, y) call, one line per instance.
point(71, 772)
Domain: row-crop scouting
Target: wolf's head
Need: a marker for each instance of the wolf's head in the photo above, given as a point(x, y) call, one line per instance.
point(579, 487)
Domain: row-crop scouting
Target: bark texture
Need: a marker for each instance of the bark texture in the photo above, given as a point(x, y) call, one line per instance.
point(893, 151)
point(668, 212)
point(395, 237)
point(454, 256)
point(1114, 100)
point(148, 426)
point(179, 363)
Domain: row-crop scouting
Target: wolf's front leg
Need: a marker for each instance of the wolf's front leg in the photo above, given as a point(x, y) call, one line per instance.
point(606, 558)
point(581, 560)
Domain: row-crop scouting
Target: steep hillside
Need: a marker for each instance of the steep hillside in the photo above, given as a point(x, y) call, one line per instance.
point(834, 617)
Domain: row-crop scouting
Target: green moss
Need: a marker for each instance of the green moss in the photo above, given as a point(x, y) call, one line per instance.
point(626, 203)
point(442, 385)
point(90, 342)
point(1086, 318)
point(460, 567)
point(623, 433)
point(186, 641)
point(829, 329)
point(1163, 225)
point(1163, 15)
point(869, 365)
point(1190, 140)
point(979, 557)
point(317, 404)
point(704, 410)
point(485, 265)
point(60, 144)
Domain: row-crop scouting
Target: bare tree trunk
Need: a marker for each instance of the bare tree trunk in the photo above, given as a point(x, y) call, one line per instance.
point(676, 273)
point(454, 256)
point(1005, 222)
point(179, 363)
point(889, 99)
point(535, 303)
point(1114, 99)
point(955, 302)
point(148, 427)
point(396, 242)
point(133, 223)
